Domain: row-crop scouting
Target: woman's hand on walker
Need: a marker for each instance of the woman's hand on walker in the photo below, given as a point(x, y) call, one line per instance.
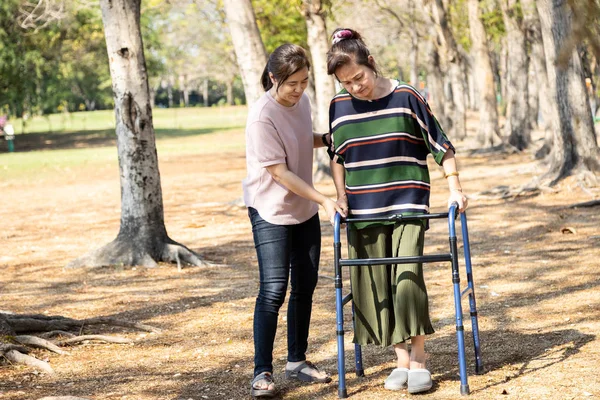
point(331, 207)
point(457, 195)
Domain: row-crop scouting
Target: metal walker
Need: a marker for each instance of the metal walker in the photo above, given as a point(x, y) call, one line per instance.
point(452, 256)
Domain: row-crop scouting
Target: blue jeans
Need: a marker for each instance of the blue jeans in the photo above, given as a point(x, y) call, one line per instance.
point(281, 249)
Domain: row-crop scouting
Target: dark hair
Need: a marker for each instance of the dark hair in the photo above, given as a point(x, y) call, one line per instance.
point(348, 46)
point(285, 61)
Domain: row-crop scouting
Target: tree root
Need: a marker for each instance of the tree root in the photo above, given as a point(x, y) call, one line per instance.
point(178, 253)
point(51, 334)
point(103, 338)
point(20, 358)
point(39, 343)
point(47, 327)
point(62, 398)
point(42, 323)
point(6, 347)
point(128, 253)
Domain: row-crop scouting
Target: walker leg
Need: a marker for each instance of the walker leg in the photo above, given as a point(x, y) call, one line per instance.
point(339, 310)
point(342, 393)
point(460, 329)
point(472, 302)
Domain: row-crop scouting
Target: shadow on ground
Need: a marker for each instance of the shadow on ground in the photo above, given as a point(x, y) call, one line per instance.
point(90, 138)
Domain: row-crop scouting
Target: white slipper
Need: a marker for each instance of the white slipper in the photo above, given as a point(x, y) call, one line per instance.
point(397, 379)
point(419, 380)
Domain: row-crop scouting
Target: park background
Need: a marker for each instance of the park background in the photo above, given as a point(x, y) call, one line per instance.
point(517, 98)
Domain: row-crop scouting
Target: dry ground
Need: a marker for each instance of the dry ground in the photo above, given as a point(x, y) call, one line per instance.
point(536, 286)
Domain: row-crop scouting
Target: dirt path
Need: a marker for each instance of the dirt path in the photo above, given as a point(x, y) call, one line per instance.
point(536, 286)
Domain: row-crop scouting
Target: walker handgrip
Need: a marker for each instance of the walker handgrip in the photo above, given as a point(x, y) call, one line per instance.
point(452, 214)
point(454, 206)
point(336, 227)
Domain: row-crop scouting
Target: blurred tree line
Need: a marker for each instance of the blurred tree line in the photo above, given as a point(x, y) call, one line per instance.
point(520, 64)
point(53, 56)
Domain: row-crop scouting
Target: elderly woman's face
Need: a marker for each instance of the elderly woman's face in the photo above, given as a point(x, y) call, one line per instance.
point(358, 80)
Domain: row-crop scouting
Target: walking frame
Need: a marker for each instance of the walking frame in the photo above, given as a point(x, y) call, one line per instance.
point(452, 256)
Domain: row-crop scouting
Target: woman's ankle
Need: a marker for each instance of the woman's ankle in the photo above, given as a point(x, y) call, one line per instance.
point(417, 365)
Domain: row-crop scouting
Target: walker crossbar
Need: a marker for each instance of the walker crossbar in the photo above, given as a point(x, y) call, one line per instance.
point(396, 260)
point(458, 295)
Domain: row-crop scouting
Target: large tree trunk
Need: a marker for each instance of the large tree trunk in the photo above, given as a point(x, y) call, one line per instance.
point(142, 238)
point(488, 132)
point(517, 107)
point(452, 64)
point(249, 48)
point(533, 100)
point(575, 143)
point(435, 86)
point(318, 44)
point(537, 59)
point(436, 95)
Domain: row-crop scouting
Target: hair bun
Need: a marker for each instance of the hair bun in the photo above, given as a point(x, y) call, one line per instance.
point(342, 34)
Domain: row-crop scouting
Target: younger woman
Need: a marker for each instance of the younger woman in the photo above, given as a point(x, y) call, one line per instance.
point(282, 206)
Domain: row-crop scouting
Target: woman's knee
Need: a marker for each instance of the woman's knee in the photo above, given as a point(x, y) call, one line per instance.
point(272, 295)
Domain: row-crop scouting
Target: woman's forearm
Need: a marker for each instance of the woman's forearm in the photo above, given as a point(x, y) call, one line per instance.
point(451, 171)
point(339, 180)
point(294, 183)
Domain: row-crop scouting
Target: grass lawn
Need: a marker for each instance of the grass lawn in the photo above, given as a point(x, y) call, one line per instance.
point(88, 139)
point(164, 119)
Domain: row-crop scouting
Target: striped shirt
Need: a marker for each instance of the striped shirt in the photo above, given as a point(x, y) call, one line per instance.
point(383, 145)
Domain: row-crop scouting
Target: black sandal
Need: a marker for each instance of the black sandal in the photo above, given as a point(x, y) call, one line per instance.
point(267, 377)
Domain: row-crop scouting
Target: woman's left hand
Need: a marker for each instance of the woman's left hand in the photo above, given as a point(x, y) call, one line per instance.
point(459, 197)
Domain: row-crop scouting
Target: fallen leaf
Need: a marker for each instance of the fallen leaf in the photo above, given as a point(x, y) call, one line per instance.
point(567, 229)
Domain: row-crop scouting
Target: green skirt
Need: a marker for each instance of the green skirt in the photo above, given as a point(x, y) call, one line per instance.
point(390, 301)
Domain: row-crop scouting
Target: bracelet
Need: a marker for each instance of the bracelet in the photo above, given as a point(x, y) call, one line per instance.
point(324, 140)
point(455, 173)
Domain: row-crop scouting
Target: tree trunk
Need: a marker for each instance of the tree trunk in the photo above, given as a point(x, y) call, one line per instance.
point(453, 68)
point(488, 132)
point(459, 96)
point(229, 91)
point(249, 48)
point(435, 87)
point(575, 143)
point(503, 75)
point(205, 92)
point(517, 107)
point(170, 91)
point(533, 101)
point(142, 238)
point(318, 44)
point(184, 100)
point(474, 95)
point(537, 59)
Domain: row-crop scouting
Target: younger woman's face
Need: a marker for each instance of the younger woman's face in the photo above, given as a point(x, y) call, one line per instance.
point(358, 80)
point(290, 91)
